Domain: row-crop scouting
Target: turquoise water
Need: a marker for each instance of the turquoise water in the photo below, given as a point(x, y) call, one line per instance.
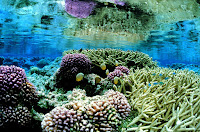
point(36, 35)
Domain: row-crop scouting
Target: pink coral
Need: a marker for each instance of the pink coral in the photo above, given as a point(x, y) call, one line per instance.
point(123, 69)
point(115, 73)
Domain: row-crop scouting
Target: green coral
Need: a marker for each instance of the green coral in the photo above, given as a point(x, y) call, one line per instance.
point(166, 99)
point(129, 59)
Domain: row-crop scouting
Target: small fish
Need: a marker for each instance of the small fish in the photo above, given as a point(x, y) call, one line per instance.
point(155, 83)
point(97, 79)
point(173, 73)
point(154, 74)
point(160, 74)
point(161, 83)
point(116, 63)
point(116, 79)
point(166, 78)
point(103, 66)
point(79, 77)
point(145, 89)
point(149, 84)
point(107, 72)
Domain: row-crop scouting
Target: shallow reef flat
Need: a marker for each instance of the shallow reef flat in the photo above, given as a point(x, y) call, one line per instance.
point(97, 90)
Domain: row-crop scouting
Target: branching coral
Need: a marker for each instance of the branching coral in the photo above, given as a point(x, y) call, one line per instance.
point(166, 99)
point(98, 113)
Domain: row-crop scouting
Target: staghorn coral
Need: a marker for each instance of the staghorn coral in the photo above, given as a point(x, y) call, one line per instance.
point(166, 99)
point(15, 117)
point(108, 56)
point(15, 88)
point(82, 113)
point(70, 66)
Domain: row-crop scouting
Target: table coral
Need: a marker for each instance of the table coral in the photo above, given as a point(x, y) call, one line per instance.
point(82, 113)
point(166, 99)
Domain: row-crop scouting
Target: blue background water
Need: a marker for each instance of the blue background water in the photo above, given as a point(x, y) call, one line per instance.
point(25, 35)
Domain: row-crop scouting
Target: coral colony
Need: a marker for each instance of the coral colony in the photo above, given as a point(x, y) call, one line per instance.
point(136, 92)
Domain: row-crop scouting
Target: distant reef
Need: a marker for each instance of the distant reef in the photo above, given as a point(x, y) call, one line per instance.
point(98, 90)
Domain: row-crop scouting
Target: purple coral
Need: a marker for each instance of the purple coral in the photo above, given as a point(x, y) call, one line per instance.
point(70, 66)
point(115, 73)
point(79, 8)
point(14, 86)
point(123, 69)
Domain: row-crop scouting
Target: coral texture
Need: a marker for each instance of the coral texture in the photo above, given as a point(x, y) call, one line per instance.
point(70, 66)
point(14, 117)
point(15, 86)
point(166, 99)
point(98, 113)
point(123, 69)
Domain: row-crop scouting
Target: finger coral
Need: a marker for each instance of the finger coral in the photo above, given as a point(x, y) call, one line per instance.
point(98, 113)
point(15, 87)
point(17, 117)
point(70, 66)
point(166, 99)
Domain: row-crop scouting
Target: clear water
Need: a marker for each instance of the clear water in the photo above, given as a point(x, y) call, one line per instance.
point(28, 35)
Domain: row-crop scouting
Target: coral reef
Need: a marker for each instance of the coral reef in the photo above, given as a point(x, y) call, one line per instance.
point(166, 99)
point(129, 59)
point(70, 66)
point(82, 113)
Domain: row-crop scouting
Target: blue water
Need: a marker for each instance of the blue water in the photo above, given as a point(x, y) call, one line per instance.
point(26, 35)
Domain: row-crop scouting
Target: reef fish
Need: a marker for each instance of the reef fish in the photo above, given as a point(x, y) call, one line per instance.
point(103, 66)
point(79, 77)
